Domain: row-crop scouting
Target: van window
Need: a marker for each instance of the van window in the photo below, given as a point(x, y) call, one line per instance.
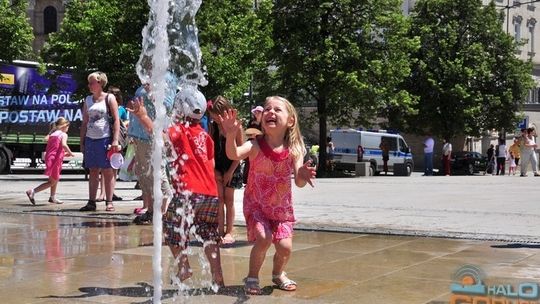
point(402, 146)
point(391, 141)
point(370, 141)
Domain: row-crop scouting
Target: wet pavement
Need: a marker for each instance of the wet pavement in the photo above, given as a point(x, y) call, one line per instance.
point(55, 254)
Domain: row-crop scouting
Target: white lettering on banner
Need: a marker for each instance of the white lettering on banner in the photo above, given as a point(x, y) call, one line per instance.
point(41, 116)
point(21, 100)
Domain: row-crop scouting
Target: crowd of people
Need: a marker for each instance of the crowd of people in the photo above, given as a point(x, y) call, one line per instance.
point(200, 168)
point(520, 154)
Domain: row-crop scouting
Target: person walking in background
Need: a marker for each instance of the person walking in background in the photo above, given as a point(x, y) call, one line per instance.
point(385, 154)
point(268, 208)
point(528, 154)
point(511, 164)
point(490, 169)
point(195, 202)
point(515, 149)
point(228, 172)
point(55, 151)
point(500, 152)
point(446, 156)
point(256, 116)
point(97, 136)
point(429, 143)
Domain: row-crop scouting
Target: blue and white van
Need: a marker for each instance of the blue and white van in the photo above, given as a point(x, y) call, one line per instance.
point(352, 146)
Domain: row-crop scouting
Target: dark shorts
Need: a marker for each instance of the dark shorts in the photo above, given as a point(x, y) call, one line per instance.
point(199, 211)
point(95, 153)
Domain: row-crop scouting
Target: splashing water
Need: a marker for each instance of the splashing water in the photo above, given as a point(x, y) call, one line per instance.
point(170, 61)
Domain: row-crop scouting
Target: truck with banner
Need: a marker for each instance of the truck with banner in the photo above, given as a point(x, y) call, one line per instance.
point(29, 103)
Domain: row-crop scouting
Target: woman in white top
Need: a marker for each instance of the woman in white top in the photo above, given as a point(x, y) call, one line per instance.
point(501, 156)
point(98, 136)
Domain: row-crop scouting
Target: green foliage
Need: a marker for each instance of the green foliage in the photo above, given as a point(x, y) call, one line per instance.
point(106, 35)
point(16, 34)
point(100, 35)
point(348, 57)
point(235, 39)
point(466, 74)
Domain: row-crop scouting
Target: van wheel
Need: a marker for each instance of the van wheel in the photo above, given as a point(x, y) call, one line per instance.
point(409, 169)
point(372, 171)
point(4, 162)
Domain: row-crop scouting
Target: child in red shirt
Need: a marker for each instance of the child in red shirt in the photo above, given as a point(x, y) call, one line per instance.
point(195, 201)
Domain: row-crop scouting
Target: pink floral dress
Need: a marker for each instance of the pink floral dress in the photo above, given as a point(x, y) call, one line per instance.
point(54, 155)
point(267, 197)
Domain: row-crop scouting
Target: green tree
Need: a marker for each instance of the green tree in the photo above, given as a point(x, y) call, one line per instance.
point(466, 73)
point(16, 34)
point(235, 38)
point(100, 35)
point(349, 57)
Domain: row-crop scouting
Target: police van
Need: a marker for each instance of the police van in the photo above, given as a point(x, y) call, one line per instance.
point(353, 146)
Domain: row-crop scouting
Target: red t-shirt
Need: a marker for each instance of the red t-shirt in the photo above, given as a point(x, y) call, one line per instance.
point(194, 162)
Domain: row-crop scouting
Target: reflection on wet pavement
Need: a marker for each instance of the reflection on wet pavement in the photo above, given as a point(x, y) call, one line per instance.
point(58, 259)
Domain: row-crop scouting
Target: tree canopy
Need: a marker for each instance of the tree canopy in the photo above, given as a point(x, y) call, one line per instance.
point(106, 35)
point(100, 35)
point(348, 57)
point(16, 34)
point(466, 73)
point(235, 38)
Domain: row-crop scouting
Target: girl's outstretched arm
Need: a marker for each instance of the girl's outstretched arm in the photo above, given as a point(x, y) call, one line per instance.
point(65, 146)
point(304, 173)
point(231, 127)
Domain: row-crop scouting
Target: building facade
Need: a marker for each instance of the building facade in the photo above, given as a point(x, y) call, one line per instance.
point(45, 17)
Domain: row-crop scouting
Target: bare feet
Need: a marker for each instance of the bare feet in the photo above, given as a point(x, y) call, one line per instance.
point(184, 274)
point(227, 239)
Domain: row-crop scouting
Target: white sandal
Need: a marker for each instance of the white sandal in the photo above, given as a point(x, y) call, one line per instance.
point(283, 282)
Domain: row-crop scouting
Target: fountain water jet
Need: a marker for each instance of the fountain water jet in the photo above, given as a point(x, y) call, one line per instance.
point(170, 61)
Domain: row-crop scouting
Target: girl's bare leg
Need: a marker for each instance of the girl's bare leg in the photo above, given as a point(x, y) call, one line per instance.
point(229, 215)
point(282, 255)
point(258, 253)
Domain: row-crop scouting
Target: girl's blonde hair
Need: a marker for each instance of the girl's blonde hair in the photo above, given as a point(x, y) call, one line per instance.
point(100, 77)
point(58, 124)
point(293, 136)
point(219, 105)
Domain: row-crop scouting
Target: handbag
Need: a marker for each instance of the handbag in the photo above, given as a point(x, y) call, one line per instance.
point(122, 136)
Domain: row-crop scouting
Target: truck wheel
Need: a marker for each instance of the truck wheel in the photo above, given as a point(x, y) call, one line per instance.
point(4, 162)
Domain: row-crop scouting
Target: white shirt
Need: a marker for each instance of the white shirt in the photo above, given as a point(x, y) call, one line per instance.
point(447, 149)
point(429, 143)
point(98, 120)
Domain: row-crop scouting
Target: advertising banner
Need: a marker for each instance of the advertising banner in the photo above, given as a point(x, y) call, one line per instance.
point(30, 102)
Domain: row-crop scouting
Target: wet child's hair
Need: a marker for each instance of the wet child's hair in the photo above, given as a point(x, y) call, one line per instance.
point(293, 137)
point(219, 105)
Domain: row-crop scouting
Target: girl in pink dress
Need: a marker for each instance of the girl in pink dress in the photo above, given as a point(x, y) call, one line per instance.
point(273, 157)
point(54, 157)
